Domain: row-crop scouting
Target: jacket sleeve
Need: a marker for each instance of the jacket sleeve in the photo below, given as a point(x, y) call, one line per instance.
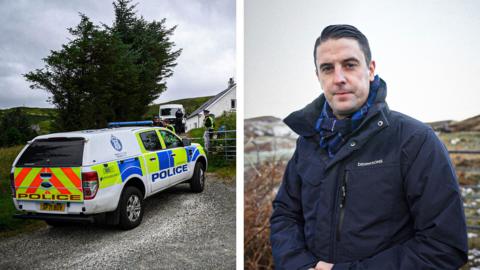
point(432, 193)
point(287, 224)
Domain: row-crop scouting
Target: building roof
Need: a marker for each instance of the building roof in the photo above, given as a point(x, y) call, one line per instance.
point(209, 102)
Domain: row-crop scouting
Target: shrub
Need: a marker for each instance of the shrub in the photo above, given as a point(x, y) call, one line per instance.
point(260, 189)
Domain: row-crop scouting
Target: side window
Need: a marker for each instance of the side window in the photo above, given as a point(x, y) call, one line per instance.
point(150, 140)
point(171, 141)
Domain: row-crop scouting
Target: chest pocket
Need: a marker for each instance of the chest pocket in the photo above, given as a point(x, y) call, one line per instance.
point(311, 170)
point(315, 204)
point(371, 193)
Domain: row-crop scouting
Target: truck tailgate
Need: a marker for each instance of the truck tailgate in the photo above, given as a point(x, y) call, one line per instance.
point(48, 184)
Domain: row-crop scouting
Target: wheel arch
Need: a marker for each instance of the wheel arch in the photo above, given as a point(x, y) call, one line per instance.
point(136, 182)
point(203, 161)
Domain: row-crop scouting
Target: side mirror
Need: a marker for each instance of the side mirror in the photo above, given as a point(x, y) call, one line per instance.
point(186, 142)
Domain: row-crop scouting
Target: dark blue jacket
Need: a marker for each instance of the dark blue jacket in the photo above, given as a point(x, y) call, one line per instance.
point(388, 199)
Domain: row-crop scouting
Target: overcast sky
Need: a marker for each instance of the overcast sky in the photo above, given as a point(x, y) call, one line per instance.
point(427, 51)
point(29, 29)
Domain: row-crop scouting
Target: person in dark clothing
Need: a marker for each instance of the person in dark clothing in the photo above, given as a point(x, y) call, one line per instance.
point(179, 121)
point(367, 187)
point(157, 122)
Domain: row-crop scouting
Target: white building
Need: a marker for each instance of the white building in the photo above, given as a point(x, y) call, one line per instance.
point(225, 101)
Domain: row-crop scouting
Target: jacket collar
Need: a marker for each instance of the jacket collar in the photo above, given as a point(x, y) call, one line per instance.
point(303, 123)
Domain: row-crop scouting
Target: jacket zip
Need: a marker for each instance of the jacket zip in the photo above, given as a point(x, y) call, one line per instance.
point(343, 200)
point(339, 199)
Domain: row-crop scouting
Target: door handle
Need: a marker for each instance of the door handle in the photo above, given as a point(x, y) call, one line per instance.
point(152, 159)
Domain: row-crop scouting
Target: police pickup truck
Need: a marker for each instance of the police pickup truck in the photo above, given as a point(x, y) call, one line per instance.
point(102, 175)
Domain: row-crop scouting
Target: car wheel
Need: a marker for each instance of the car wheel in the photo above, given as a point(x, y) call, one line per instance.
point(131, 208)
point(197, 183)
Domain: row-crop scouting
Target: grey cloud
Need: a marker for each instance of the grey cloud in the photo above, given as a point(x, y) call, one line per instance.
point(11, 96)
point(30, 29)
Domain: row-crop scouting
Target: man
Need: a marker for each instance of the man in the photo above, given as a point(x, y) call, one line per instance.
point(179, 121)
point(367, 187)
point(157, 122)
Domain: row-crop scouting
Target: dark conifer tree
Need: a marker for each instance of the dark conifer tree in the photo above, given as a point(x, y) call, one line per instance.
point(108, 73)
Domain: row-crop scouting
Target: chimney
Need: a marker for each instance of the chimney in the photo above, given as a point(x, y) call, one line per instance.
point(230, 82)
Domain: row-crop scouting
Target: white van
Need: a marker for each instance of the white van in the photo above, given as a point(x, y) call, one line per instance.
point(167, 112)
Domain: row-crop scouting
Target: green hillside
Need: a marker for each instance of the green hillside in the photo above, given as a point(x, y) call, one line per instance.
point(44, 117)
point(38, 113)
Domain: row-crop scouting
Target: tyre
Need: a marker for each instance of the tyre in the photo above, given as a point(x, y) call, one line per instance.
point(131, 208)
point(197, 183)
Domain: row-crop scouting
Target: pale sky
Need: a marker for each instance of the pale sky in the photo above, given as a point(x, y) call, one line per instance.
point(428, 52)
point(31, 28)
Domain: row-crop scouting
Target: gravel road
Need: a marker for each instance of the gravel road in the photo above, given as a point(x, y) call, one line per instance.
point(180, 230)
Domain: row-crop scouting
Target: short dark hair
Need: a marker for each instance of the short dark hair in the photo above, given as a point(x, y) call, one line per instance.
point(338, 31)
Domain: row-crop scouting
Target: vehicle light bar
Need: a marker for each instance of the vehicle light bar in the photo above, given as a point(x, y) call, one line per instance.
point(130, 124)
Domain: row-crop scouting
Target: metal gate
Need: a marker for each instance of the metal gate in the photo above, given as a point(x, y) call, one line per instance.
point(219, 144)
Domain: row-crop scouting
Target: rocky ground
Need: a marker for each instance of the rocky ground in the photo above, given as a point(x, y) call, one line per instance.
point(267, 139)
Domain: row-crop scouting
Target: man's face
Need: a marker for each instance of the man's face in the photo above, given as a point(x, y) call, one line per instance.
point(343, 75)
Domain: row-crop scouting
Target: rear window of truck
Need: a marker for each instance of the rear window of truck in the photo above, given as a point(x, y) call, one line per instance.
point(53, 152)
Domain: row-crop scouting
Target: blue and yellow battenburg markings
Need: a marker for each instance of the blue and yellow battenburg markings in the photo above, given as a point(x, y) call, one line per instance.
point(166, 159)
point(128, 167)
point(171, 165)
point(194, 153)
point(117, 172)
point(169, 172)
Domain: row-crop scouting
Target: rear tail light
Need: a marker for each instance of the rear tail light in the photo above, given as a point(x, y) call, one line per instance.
point(12, 185)
point(89, 185)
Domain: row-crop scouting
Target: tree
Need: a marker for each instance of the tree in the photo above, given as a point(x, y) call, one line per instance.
point(108, 73)
point(155, 54)
point(16, 128)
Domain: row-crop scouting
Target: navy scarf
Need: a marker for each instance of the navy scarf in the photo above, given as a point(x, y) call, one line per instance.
point(334, 132)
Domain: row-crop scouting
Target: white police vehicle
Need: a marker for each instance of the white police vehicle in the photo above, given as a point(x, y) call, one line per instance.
point(103, 174)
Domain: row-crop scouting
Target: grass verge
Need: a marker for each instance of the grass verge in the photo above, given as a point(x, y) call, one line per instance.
point(225, 174)
point(10, 226)
point(224, 169)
